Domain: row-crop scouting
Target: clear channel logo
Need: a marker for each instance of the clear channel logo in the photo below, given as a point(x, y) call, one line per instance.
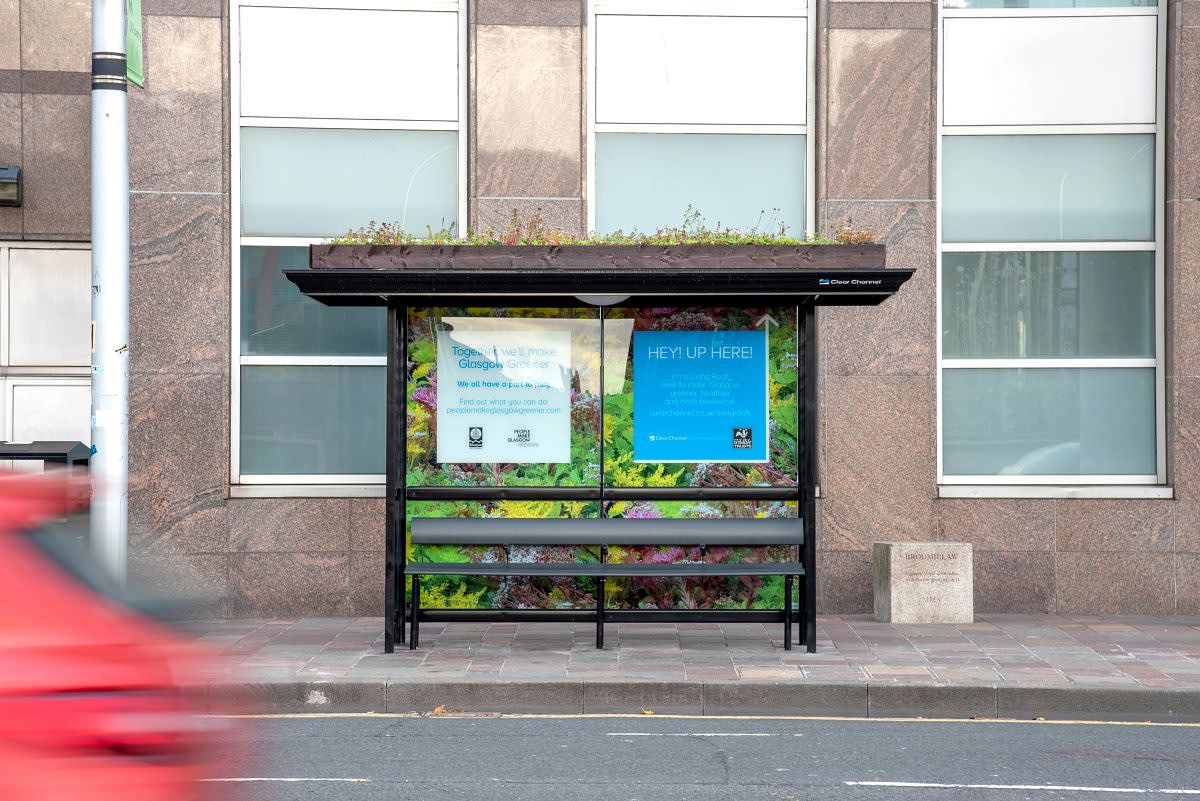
point(849, 281)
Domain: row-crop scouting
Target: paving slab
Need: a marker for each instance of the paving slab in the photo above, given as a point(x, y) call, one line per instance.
point(1020, 666)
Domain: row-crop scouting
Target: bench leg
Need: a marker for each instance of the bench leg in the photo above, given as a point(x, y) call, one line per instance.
point(401, 612)
point(600, 612)
point(808, 617)
point(416, 613)
point(787, 613)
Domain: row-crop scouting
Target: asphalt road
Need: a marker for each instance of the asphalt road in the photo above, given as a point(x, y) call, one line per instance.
point(703, 759)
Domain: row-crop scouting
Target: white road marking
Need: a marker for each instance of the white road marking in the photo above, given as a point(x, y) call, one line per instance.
point(695, 734)
point(286, 779)
point(1046, 787)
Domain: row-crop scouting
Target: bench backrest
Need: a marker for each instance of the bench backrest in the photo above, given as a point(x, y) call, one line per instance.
point(609, 531)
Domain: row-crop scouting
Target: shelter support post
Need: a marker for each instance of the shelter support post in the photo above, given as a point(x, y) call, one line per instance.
point(396, 435)
point(807, 376)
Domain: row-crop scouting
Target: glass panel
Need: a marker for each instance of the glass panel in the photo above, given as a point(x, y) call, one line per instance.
point(1097, 305)
point(707, 385)
point(278, 320)
point(1069, 421)
point(506, 424)
point(1048, 3)
point(301, 420)
point(512, 592)
point(325, 181)
point(713, 592)
point(1048, 188)
point(648, 181)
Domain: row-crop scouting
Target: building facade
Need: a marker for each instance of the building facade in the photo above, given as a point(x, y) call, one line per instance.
point(1033, 390)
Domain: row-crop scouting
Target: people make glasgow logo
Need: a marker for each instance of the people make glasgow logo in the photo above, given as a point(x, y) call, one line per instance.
point(475, 437)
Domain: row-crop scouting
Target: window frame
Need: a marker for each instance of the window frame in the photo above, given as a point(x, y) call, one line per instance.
point(702, 8)
point(1082, 485)
point(339, 485)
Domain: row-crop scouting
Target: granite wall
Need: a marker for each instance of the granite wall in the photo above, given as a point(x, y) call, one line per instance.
point(876, 139)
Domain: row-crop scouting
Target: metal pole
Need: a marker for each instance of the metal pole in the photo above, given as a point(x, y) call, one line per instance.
point(110, 285)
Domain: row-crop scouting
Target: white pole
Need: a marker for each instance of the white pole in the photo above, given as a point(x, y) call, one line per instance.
point(110, 285)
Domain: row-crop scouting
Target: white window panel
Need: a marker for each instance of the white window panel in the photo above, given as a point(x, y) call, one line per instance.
point(701, 70)
point(1050, 70)
point(349, 64)
point(49, 307)
point(49, 409)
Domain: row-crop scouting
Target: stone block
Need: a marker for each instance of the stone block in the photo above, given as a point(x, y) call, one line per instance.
point(896, 337)
point(662, 698)
point(1114, 525)
point(56, 152)
point(878, 121)
point(176, 123)
point(778, 698)
point(529, 106)
point(178, 255)
point(527, 12)
point(529, 697)
point(1076, 703)
point(843, 582)
point(914, 700)
point(10, 34)
point(1014, 582)
point(1115, 583)
point(290, 584)
point(367, 524)
point(877, 460)
point(11, 219)
point(289, 524)
point(923, 582)
point(997, 524)
point(559, 213)
point(56, 35)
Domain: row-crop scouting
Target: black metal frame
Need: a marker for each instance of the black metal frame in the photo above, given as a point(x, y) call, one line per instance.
point(399, 609)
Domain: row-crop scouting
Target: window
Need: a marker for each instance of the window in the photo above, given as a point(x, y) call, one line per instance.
point(372, 131)
point(1051, 230)
point(45, 350)
point(703, 105)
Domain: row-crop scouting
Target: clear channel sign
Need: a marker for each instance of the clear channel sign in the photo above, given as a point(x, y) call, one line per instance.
point(700, 396)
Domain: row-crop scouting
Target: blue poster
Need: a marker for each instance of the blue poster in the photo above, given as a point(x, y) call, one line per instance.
point(700, 396)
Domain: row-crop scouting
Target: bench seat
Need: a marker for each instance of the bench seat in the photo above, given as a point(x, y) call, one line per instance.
point(604, 533)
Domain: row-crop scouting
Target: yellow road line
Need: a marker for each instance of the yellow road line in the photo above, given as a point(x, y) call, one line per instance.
point(640, 716)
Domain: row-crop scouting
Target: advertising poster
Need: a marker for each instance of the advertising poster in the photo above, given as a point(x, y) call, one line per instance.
point(700, 396)
point(504, 397)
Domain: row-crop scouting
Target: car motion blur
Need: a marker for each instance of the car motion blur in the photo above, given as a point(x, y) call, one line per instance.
point(99, 698)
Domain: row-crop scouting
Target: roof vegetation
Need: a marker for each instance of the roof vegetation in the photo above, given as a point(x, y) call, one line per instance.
point(534, 231)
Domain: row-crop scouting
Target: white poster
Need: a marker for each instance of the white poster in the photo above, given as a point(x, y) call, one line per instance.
point(504, 397)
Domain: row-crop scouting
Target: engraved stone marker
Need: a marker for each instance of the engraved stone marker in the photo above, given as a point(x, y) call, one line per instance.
point(923, 582)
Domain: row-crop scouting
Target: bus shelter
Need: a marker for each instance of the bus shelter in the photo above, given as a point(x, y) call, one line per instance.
point(626, 398)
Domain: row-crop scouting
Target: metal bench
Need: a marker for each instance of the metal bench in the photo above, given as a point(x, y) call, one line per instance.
point(604, 533)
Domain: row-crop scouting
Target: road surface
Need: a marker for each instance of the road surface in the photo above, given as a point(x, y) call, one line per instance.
point(650, 758)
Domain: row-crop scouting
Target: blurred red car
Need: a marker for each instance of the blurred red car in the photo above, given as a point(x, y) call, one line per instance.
point(98, 699)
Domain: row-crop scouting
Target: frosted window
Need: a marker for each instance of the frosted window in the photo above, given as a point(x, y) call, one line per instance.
point(1043, 188)
point(277, 319)
point(1048, 421)
point(1048, 304)
point(299, 420)
point(745, 181)
point(50, 307)
point(324, 181)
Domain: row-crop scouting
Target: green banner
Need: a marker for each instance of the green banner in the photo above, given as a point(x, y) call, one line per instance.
point(134, 70)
